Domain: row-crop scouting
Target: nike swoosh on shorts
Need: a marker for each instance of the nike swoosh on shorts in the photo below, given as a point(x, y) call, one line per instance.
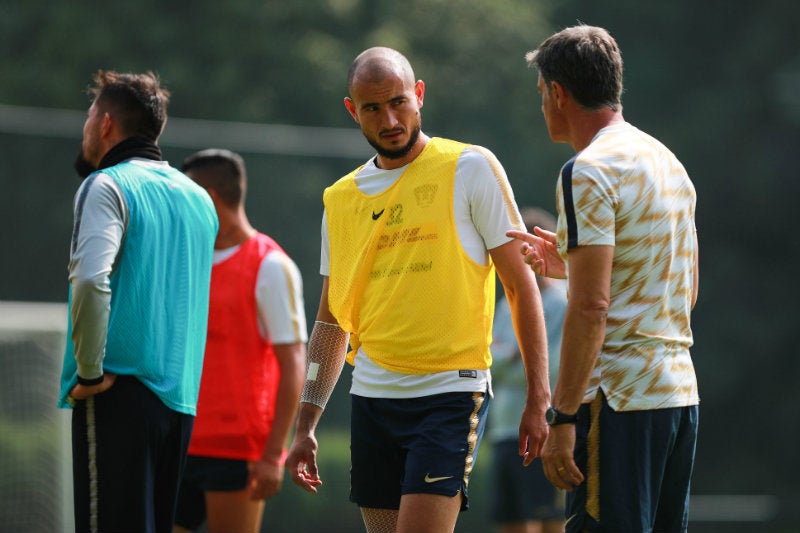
point(429, 479)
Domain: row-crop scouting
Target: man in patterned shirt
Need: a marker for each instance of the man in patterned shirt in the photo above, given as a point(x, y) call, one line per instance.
point(624, 412)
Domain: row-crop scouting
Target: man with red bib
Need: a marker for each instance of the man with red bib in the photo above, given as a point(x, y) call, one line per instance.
point(253, 368)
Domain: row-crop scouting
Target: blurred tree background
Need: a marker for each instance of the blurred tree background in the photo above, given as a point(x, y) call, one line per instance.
point(717, 81)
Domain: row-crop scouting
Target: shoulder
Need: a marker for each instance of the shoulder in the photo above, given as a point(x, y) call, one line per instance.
point(614, 146)
point(99, 189)
point(474, 154)
point(479, 163)
point(266, 246)
point(97, 181)
point(468, 154)
point(479, 172)
point(278, 265)
point(266, 241)
point(279, 275)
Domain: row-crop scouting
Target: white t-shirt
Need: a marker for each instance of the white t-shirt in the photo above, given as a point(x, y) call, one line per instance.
point(279, 297)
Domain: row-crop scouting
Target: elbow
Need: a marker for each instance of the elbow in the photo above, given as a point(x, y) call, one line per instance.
point(594, 312)
point(292, 362)
point(89, 284)
point(523, 287)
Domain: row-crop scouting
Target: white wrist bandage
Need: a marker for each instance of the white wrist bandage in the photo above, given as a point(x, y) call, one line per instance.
point(327, 348)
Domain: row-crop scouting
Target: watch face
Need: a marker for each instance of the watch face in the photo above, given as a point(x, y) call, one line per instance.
point(550, 415)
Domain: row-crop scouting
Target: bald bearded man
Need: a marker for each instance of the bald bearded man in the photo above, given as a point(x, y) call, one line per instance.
point(411, 241)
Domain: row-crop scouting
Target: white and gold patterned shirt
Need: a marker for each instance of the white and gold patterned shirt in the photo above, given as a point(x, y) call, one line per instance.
point(627, 190)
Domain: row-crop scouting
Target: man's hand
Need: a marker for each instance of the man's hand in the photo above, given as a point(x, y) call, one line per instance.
point(81, 392)
point(532, 434)
point(541, 252)
point(265, 479)
point(558, 460)
point(302, 462)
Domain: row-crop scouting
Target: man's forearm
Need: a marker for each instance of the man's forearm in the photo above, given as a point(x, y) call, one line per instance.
point(584, 333)
point(308, 416)
point(91, 301)
point(532, 335)
point(327, 348)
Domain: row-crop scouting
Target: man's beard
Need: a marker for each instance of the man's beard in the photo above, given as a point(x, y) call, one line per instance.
point(398, 152)
point(82, 166)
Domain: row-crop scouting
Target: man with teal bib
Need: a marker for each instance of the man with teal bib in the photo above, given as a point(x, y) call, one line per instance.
point(139, 272)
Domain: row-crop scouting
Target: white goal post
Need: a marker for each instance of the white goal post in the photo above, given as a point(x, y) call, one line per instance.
point(35, 449)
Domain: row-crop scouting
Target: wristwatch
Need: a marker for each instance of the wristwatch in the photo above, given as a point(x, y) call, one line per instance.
point(554, 417)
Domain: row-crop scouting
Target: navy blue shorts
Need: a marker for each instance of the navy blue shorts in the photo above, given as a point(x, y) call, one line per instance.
point(521, 493)
point(204, 474)
point(424, 445)
point(638, 466)
point(128, 452)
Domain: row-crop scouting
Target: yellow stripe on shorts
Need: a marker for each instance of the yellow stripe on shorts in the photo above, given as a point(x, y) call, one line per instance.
point(593, 459)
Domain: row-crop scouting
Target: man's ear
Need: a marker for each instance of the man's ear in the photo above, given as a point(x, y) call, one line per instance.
point(351, 108)
point(559, 94)
point(419, 90)
point(213, 194)
point(108, 126)
point(215, 199)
